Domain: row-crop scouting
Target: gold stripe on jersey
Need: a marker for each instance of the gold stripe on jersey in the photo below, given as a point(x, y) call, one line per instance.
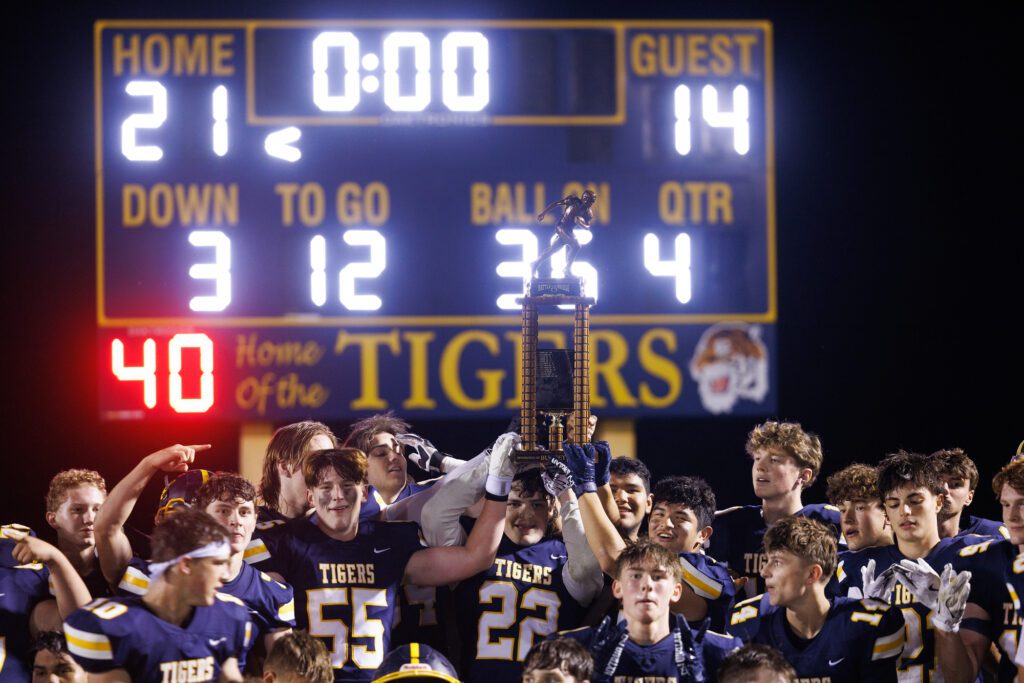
point(889, 646)
point(88, 645)
point(286, 612)
point(134, 581)
point(702, 584)
point(256, 551)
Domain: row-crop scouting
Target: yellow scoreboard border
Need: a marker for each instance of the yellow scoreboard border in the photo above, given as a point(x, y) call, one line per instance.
point(510, 320)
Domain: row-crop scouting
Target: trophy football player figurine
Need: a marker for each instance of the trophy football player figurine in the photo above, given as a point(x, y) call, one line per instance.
point(576, 211)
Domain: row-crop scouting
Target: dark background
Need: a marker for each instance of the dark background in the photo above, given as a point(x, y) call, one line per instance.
point(898, 155)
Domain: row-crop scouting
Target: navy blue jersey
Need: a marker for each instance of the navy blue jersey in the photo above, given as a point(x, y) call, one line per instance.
point(417, 620)
point(519, 600)
point(738, 539)
point(992, 565)
point(270, 524)
point(617, 659)
point(346, 591)
point(858, 642)
point(270, 604)
point(22, 587)
point(918, 658)
point(710, 580)
point(980, 526)
point(122, 633)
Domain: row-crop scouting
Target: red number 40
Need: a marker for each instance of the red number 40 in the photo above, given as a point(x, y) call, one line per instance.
point(146, 373)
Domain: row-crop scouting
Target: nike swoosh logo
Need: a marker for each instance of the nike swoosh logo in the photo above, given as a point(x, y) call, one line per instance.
point(559, 557)
point(377, 551)
point(831, 663)
point(215, 643)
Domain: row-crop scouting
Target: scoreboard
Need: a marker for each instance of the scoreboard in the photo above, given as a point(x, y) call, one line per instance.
point(323, 218)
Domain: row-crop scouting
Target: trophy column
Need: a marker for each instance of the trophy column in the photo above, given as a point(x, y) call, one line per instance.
point(556, 382)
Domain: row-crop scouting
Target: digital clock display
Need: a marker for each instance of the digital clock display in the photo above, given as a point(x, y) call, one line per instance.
point(330, 217)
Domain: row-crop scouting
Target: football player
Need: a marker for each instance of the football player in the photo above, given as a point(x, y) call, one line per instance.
point(72, 502)
point(842, 639)
point(29, 566)
point(994, 584)
point(960, 475)
point(52, 663)
point(112, 544)
point(282, 488)
point(785, 460)
point(651, 643)
point(540, 582)
point(231, 500)
point(755, 664)
point(561, 660)
point(912, 491)
point(854, 490)
point(684, 508)
point(629, 486)
point(183, 628)
point(346, 572)
point(298, 657)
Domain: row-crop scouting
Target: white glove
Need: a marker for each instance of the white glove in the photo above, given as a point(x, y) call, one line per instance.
point(945, 595)
point(425, 455)
point(876, 588)
point(557, 477)
point(500, 467)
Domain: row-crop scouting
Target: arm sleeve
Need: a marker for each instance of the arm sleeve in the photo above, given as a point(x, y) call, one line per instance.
point(581, 573)
point(448, 499)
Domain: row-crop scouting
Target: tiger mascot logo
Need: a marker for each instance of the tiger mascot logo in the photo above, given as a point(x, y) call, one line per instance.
point(730, 363)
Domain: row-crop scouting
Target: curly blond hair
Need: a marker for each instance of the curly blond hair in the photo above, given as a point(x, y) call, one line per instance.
point(789, 437)
point(63, 482)
point(854, 482)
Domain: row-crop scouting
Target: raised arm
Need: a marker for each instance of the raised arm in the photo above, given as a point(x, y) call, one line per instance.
point(604, 539)
point(581, 572)
point(441, 566)
point(68, 587)
point(112, 544)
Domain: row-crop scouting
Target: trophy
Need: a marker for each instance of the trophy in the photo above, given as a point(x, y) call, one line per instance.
point(556, 382)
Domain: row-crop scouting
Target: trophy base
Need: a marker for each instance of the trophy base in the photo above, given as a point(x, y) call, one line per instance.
point(536, 457)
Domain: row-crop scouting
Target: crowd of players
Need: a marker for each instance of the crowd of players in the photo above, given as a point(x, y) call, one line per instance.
point(339, 566)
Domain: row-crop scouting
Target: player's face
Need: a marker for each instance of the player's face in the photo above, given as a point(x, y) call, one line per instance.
point(958, 495)
point(208, 575)
point(675, 526)
point(386, 463)
point(913, 513)
point(864, 524)
point(646, 592)
point(1012, 502)
point(548, 676)
point(631, 498)
point(786, 577)
point(527, 516)
point(49, 668)
point(293, 485)
point(338, 501)
point(775, 473)
point(75, 518)
point(238, 517)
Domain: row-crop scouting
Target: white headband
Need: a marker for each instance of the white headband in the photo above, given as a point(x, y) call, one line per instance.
point(215, 549)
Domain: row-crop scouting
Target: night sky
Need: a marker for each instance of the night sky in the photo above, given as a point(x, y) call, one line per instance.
point(896, 212)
